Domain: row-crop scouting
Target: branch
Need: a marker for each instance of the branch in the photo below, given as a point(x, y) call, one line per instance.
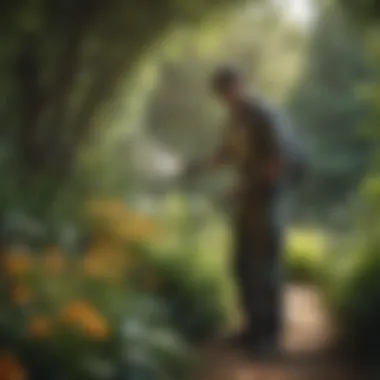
point(67, 73)
point(31, 99)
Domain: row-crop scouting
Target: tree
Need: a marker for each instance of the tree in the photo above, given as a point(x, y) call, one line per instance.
point(362, 12)
point(61, 61)
point(327, 108)
point(62, 64)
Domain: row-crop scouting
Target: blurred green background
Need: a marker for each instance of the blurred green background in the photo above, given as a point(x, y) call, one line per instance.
point(111, 268)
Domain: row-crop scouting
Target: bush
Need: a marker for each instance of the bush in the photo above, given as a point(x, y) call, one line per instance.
point(193, 299)
point(65, 320)
point(353, 294)
point(103, 311)
point(305, 256)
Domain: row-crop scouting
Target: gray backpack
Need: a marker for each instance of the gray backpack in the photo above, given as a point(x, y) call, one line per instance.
point(296, 164)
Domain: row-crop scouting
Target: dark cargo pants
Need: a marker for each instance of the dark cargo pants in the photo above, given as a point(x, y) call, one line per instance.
point(258, 265)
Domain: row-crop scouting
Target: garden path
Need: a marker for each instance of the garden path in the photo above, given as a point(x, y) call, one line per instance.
point(306, 348)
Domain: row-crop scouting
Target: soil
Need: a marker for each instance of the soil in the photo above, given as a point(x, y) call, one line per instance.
point(306, 352)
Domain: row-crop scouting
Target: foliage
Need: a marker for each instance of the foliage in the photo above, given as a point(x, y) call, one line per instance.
point(305, 258)
point(353, 294)
point(363, 12)
point(103, 312)
point(87, 296)
point(330, 113)
point(62, 66)
point(352, 287)
point(193, 299)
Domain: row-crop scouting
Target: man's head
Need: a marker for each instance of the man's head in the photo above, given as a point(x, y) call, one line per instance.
point(229, 85)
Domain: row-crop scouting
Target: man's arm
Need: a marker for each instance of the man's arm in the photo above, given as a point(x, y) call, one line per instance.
point(221, 156)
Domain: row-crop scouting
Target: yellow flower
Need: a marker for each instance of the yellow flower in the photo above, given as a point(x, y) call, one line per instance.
point(98, 249)
point(17, 264)
point(107, 261)
point(106, 208)
point(54, 261)
point(21, 294)
point(40, 327)
point(118, 221)
point(94, 266)
point(81, 315)
point(136, 230)
point(10, 368)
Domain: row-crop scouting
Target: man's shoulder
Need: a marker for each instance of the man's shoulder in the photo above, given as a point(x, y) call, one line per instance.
point(263, 110)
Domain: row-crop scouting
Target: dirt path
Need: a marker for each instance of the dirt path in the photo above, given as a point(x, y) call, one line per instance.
point(305, 349)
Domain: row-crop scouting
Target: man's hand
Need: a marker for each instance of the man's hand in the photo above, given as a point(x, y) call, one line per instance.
point(193, 168)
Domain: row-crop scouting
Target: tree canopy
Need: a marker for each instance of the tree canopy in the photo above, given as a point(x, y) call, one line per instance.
point(61, 61)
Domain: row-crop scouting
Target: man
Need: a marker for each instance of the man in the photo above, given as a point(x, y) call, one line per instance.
point(266, 161)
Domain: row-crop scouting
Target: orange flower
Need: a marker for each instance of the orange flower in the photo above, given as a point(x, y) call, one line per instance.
point(81, 315)
point(94, 266)
point(21, 294)
point(10, 368)
point(39, 327)
point(105, 261)
point(95, 327)
point(136, 230)
point(106, 208)
point(73, 311)
point(17, 264)
point(54, 261)
point(98, 250)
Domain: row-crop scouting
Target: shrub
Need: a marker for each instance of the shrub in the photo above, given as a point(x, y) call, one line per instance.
point(193, 298)
point(103, 311)
point(305, 256)
point(81, 325)
point(353, 294)
point(117, 308)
